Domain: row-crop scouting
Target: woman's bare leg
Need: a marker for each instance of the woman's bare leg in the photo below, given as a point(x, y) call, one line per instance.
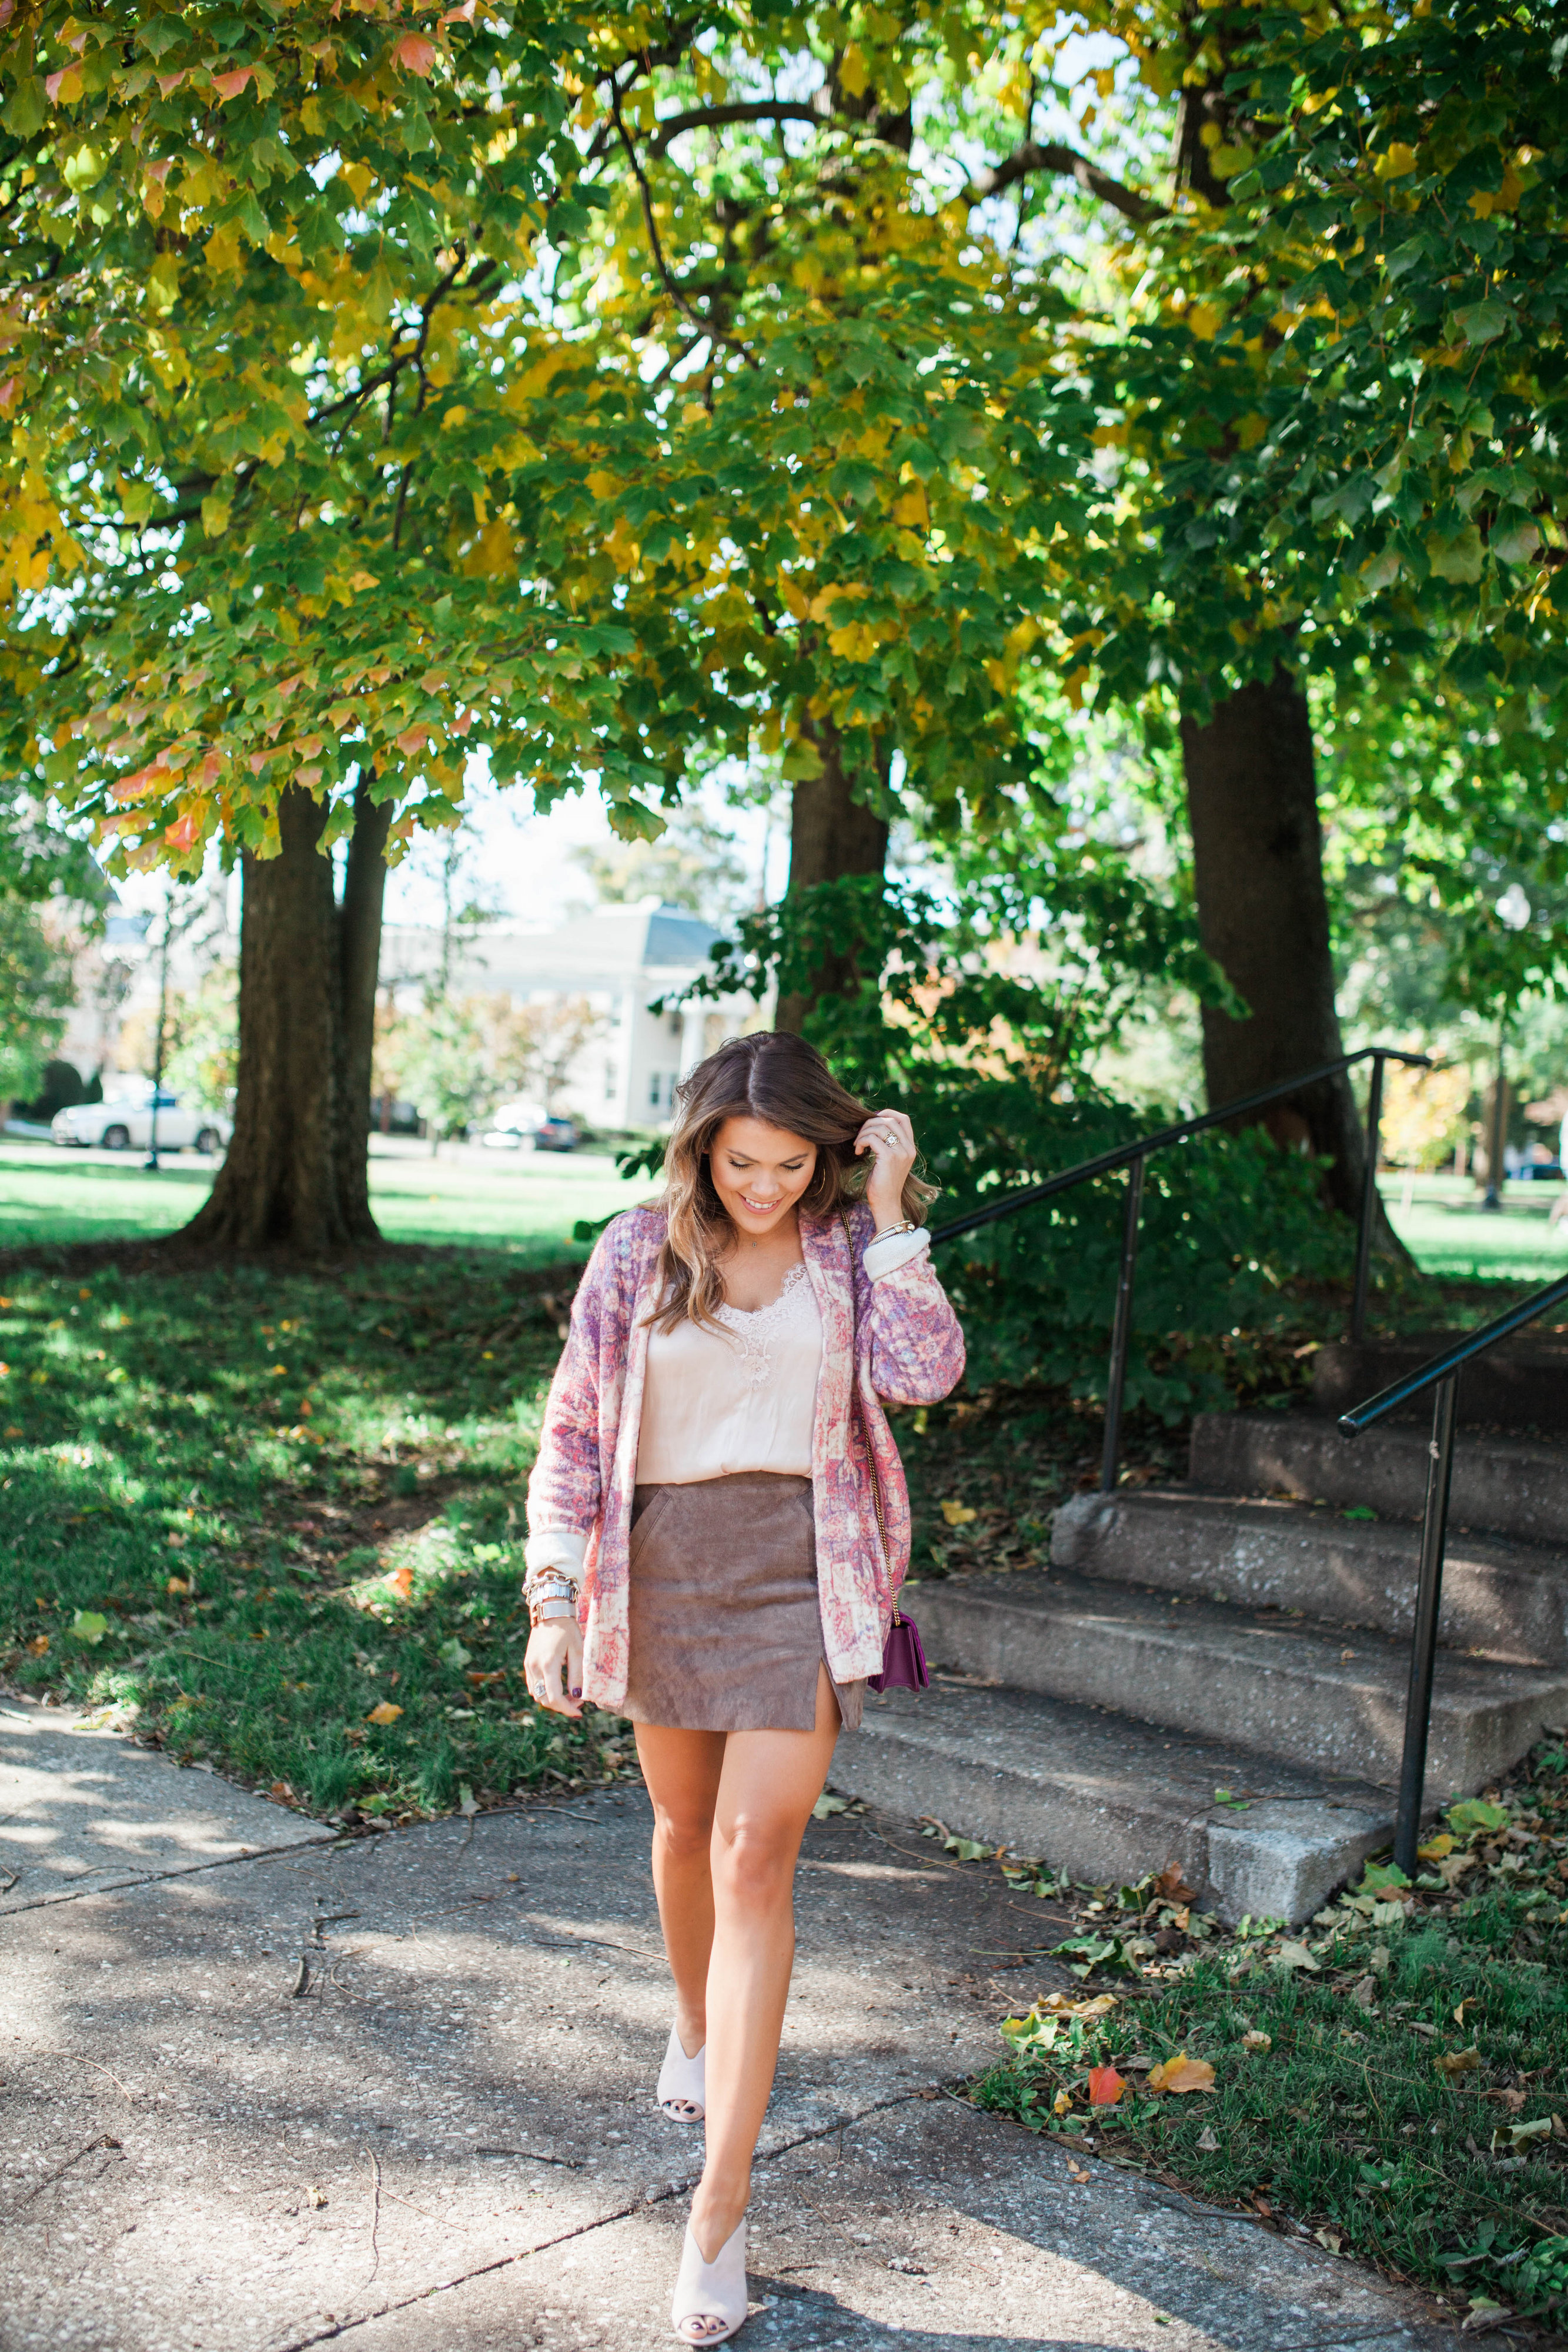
point(682, 1770)
point(769, 1782)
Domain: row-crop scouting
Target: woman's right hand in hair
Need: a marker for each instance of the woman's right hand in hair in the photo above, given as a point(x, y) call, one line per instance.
point(552, 1665)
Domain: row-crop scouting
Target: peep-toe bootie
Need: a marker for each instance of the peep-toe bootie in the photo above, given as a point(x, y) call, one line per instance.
point(682, 2094)
point(710, 2297)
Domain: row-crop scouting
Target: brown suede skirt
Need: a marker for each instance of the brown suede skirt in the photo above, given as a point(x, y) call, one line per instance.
point(725, 1629)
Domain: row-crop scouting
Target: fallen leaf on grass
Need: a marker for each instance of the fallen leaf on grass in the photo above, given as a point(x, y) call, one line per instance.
point(1453, 1866)
point(1106, 2086)
point(1483, 2316)
point(1181, 2075)
point(1364, 1993)
point(957, 1515)
point(1172, 1887)
point(88, 1626)
point(1062, 2004)
point(1434, 1849)
point(1457, 2062)
point(399, 1581)
point(474, 1675)
point(1206, 2140)
point(453, 1652)
point(383, 1713)
point(1253, 2040)
point(177, 1584)
point(37, 1645)
point(1296, 1956)
point(1511, 2137)
point(1474, 1814)
point(1330, 2240)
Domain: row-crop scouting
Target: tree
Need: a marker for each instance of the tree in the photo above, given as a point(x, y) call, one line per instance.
point(1332, 400)
point(35, 994)
point(257, 270)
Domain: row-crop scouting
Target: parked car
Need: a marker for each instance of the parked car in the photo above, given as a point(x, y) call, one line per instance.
point(124, 1123)
point(516, 1124)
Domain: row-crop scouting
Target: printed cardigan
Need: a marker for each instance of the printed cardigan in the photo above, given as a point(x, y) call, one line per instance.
point(895, 1338)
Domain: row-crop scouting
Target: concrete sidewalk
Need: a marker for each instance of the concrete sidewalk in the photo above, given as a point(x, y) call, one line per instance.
point(399, 2091)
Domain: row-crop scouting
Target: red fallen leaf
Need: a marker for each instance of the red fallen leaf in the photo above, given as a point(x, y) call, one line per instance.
point(416, 53)
point(400, 1581)
point(499, 1675)
point(1105, 2086)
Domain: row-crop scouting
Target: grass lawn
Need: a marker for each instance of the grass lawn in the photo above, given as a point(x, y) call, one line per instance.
point(1450, 1235)
point(524, 1202)
point(274, 1520)
point(1393, 2079)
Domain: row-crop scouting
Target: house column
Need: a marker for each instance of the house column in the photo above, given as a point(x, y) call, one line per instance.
point(694, 1024)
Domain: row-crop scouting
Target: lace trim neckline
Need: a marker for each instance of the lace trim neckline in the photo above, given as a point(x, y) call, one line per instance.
point(747, 1318)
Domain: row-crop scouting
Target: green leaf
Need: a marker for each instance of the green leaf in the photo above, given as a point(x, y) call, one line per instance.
point(1474, 1813)
point(27, 107)
point(453, 1654)
point(1482, 322)
point(1459, 558)
point(88, 1626)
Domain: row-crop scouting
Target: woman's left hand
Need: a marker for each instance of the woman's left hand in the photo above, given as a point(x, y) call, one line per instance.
point(888, 1135)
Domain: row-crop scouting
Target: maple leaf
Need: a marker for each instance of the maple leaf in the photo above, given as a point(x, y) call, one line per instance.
point(229, 85)
point(1105, 2086)
point(416, 53)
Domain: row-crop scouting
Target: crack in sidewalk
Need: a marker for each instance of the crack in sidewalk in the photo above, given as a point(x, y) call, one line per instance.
point(840, 2123)
point(327, 1844)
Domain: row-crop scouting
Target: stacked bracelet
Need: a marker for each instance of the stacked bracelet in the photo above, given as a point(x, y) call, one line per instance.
point(552, 1593)
point(886, 1232)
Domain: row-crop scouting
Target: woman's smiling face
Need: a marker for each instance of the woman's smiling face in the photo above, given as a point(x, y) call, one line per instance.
point(759, 1172)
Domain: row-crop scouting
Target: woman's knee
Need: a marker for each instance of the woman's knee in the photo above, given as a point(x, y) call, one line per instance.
point(683, 1833)
point(754, 1861)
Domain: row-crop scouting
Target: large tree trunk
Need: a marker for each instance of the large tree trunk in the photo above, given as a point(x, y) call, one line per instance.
point(295, 1177)
point(832, 834)
point(1262, 910)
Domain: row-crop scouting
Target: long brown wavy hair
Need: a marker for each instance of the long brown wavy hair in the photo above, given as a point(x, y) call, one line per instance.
point(770, 1075)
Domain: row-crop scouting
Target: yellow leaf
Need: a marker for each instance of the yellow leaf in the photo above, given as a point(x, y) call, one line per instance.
point(1181, 2074)
point(797, 603)
point(1395, 161)
point(1109, 437)
point(853, 72)
point(1203, 319)
point(602, 485)
point(1457, 2062)
point(384, 1713)
point(1436, 1848)
point(362, 579)
point(958, 1514)
point(1062, 2004)
point(1251, 430)
point(911, 509)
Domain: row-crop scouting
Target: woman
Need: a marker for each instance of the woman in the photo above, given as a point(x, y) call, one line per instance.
point(719, 1526)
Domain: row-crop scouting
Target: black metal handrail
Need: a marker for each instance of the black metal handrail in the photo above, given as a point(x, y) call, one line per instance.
point(1133, 1156)
point(1441, 1372)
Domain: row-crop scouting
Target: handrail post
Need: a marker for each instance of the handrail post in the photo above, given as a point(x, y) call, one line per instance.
point(1122, 1331)
point(1368, 1202)
point(1423, 1638)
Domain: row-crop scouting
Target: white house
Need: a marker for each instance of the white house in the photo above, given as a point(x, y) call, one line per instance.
point(619, 959)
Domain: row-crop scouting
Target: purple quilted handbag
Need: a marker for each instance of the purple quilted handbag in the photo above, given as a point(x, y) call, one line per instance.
point(903, 1663)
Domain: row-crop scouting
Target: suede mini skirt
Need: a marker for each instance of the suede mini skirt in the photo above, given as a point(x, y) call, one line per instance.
point(724, 1629)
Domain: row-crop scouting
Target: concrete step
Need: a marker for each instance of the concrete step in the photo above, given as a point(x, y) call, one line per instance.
point(1507, 1486)
point(1506, 1600)
point(1108, 1799)
point(1520, 1387)
point(1269, 1683)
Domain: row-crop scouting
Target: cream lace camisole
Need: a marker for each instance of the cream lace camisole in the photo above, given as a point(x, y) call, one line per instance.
point(741, 1398)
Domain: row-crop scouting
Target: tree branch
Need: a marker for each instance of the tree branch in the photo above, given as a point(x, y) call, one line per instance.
point(671, 283)
point(699, 117)
point(1067, 164)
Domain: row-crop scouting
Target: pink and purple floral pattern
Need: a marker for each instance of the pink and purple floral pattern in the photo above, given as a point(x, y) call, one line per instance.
point(896, 1340)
